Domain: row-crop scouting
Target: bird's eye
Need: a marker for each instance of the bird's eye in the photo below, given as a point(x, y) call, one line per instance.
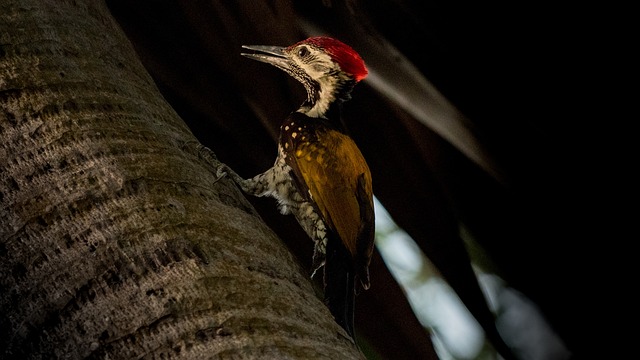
point(303, 51)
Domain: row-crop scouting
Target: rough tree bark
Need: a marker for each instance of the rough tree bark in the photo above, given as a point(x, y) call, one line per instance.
point(114, 240)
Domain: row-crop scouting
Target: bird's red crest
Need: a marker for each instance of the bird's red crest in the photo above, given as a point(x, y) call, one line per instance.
point(341, 53)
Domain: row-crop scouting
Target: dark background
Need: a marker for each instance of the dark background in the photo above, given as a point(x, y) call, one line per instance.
point(522, 77)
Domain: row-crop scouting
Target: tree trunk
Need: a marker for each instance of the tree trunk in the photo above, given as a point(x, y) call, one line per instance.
point(114, 240)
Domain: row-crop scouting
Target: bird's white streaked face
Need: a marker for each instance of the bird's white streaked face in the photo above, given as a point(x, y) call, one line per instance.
point(316, 63)
point(318, 66)
point(326, 67)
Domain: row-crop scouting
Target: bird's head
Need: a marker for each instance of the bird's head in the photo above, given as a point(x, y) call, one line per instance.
point(328, 69)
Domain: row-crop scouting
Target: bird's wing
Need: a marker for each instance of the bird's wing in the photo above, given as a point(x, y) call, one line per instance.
point(331, 171)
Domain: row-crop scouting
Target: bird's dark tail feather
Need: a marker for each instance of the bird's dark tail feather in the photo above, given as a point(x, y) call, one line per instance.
point(339, 286)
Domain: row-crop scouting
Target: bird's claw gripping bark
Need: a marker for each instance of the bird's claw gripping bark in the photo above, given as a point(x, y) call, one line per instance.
point(317, 263)
point(221, 172)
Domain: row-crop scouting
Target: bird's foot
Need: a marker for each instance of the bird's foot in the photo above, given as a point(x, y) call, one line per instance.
point(219, 169)
point(317, 261)
point(221, 172)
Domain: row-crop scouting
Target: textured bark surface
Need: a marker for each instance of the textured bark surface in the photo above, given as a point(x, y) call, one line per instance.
point(113, 241)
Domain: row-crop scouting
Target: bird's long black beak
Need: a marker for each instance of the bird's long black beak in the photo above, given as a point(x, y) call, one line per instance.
point(273, 55)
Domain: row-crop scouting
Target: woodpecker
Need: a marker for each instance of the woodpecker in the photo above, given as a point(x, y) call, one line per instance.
point(319, 175)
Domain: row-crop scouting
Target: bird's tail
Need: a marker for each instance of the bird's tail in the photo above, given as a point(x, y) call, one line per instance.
point(339, 286)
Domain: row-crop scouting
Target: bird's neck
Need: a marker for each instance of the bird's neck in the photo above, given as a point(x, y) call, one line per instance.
point(325, 97)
